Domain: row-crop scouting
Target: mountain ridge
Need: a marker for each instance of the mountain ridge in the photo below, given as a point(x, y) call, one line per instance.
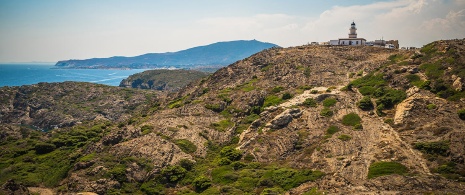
point(213, 55)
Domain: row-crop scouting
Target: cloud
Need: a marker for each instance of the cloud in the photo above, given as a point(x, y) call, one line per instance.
point(412, 22)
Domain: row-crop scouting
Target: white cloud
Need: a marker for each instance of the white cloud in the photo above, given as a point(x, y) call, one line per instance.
point(412, 22)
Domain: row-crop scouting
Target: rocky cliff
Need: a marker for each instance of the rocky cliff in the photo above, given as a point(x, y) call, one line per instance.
point(300, 120)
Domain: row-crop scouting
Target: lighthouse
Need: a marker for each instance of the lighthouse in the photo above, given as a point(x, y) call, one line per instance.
point(353, 30)
point(352, 40)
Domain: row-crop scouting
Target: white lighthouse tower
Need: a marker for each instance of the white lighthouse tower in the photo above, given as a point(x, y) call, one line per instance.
point(353, 30)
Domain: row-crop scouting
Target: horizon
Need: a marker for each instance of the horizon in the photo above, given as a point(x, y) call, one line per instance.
point(51, 30)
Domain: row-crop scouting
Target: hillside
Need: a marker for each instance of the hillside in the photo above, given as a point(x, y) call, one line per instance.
point(162, 80)
point(207, 57)
point(299, 120)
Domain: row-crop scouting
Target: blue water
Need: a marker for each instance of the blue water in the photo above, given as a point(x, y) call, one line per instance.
point(27, 74)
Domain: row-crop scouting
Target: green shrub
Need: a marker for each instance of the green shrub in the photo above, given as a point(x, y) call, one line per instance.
point(366, 90)
point(286, 96)
point(351, 119)
point(329, 102)
point(369, 80)
point(290, 178)
point(277, 89)
point(309, 102)
point(431, 106)
point(440, 147)
point(224, 175)
point(385, 168)
point(314, 91)
point(44, 148)
point(201, 183)
point(173, 174)
point(186, 145)
point(238, 165)
point(250, 118)
point(118, 173)
point(146, 129)
point(222, 125)
point(152, 188)
point(231, 153)
point(88, 157)
point(186, 164)
point(332, 130)
point(269, 191)
point(214, 107)
point(272, 100)
point(365, 103)
point(461, 114)
point(344, 137)
point(433, 71)
point(326, 112)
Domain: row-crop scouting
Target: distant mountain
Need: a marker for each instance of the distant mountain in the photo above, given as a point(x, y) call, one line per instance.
point(214, 56)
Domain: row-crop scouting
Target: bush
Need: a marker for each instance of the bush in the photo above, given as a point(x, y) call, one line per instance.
point(272, 100)
point(328, 102)
point(231, 153)
point(366, 90)
point(309, 102)
point(290, 178)
point(173, 173)
point(344, 137)
point(186, 164)
point(201, 183)
point(277, 89)
point(385, 168)
point(440, 147)
point(286, 96)
point(118, 173)
point(44, 148)
point(186, 146)
point(431, 106)
point(222, 125)
point(461, 114)
point(365, 103)
point(351, 119)
point(332, 130)
point(326, 112)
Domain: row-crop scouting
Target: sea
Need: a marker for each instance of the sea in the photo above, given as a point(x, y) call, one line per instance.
point(28, 74)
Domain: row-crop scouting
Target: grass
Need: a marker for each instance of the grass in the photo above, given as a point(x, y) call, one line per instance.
point(222, 125)
point(351, 119)
point(329, 102)
point(344, 137)
point(381, 168)
point(332, 130)
point(309, 102)
point(326, 112)
point(272, 100)
point(186, 146)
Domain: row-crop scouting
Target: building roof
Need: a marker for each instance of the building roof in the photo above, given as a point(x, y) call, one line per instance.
point(352, 39)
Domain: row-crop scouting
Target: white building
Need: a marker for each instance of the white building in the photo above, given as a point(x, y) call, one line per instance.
point(352, 40)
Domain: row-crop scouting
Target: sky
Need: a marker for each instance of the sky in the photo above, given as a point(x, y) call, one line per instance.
point(53, 30)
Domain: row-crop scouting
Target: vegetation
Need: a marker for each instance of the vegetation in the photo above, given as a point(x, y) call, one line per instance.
point(351, 119)
point(344, 137)
point(272, 100)
point(329, 102)
point(440, 147)
point(332, 130)
point(186, 146)
point(326, 112)
point(461, 114)
point(309, 102)
point(381, 168)
point(222, 125)
point(365, 103)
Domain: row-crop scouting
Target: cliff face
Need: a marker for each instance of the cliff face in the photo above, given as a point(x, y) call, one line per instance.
point(162, 80)
point(309, 119)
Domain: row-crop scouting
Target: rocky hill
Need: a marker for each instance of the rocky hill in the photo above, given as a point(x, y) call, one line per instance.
point(300, 120)
point(48, 106)
point(209, 57)
point(162, 79)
